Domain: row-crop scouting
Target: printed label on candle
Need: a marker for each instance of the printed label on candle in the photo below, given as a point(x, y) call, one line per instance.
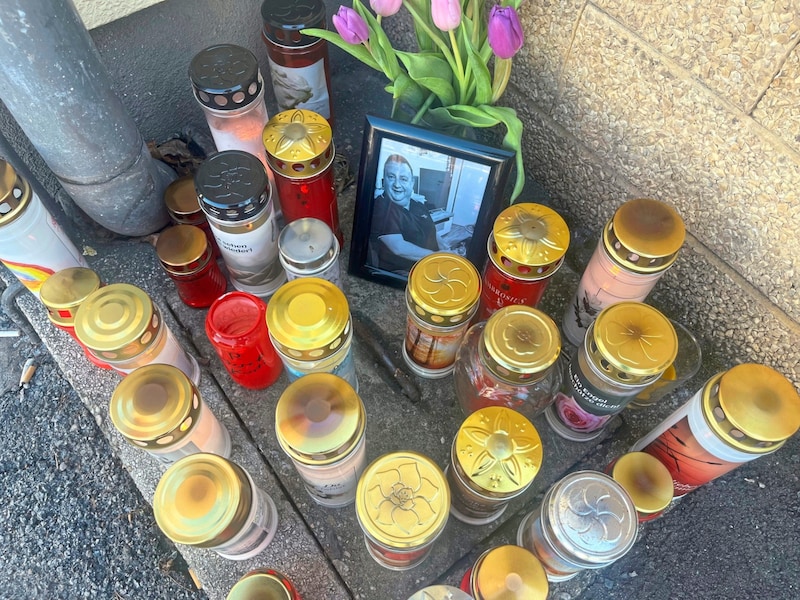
point(301, 87)
point(432, 350)
point(501, 290)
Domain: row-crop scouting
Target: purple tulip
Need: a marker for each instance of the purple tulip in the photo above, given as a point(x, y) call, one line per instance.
point(350, 26)
point(385, 8)
point(446, 14)
point(505, 31)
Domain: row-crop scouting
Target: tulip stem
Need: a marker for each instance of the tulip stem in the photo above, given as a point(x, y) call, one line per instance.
point(423, 109)
point(460, 72)
point(502, 73)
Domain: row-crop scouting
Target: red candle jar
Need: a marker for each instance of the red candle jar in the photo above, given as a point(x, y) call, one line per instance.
point(187, 258)
point(526, 247)
point(237, 327)
point(183, 207)
point(299, 145)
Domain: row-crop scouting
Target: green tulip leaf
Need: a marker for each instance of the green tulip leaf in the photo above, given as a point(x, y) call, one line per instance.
point(357, 51)
point(423, 23)
point(382, 48)
point(511, 141)
point(432, 72)
point(463, 114)
point(405, 89)
point(480, 76)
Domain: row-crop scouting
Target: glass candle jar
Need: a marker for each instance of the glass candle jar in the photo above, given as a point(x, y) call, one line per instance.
point(207, 501)
point(494, 458)
point(625, 350)
point(227, 84)
point(263, 584)
point(639, 243)
point(740, 414)
point(183, 207)
point(442, 295)
point(298, 63)
point(510, 360)
point(121, 325)
point(440, 592)
point(299, 146)
point(32, 245)
point(402, 503)
point(310, 326)
point(506, 573)
point(308, 248)
point(320, 423)
point(585, 521)
point(236, 197)
point(186, 257)
point(157, 408)
point(647, 481)
point(62, 293)
point(526, 247)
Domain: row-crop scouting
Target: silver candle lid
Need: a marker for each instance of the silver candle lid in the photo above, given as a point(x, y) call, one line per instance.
point(440, 592)
point(307, 245)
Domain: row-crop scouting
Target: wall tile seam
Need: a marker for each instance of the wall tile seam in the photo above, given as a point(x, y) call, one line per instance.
point(781, 64)
point(683, 74)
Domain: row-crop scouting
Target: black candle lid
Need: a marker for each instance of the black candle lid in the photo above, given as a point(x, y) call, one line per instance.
point(283, 20)
point(225, 77)
point(232, 185)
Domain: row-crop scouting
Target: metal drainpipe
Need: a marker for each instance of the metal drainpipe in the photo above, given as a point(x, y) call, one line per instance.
point(54, 84)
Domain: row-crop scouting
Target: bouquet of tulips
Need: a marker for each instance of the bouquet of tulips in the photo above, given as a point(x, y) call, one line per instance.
point(460, 70)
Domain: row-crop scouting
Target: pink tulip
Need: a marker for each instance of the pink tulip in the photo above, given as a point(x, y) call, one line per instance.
point(505, 31)
point(350, 26)
point(446, 14)
point(385, 8)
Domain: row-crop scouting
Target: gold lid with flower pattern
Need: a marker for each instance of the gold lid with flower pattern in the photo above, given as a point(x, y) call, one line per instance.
point(644, 235)
point(497, 451)
point(308, 318)
point(509, 573)
point(752, 407)
point(646, 479)
point(319, 419)
point(443, 289)
point(402, 500)
point(15, 193)
point(299, 143)
point(155, 406)
point(117, 322)
point(520, 344)
point(202, 500)
point(528, 241)
point(631, 343)
point(64, 291)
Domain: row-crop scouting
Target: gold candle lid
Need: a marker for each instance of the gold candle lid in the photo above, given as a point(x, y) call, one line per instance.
point(117, 322)
point(308, 318)
point(183, 249)
point(402, 500)
point(15, 193)
point(181, 201)
point(319, 419)
point(529, 241)
point(262, 584)
point(752, 407)
point(632, 343)
point(155, 406)
point(202, 500)
point(498, 450)
point(646, 479)
point(509, 573)
point(519, 344)
point(443, 289)
point(299, 143)
point(64, 291)
point(644, 235)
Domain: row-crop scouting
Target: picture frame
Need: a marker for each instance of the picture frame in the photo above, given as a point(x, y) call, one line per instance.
point(412, 180)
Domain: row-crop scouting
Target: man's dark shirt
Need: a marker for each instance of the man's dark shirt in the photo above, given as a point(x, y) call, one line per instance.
point(414, 224)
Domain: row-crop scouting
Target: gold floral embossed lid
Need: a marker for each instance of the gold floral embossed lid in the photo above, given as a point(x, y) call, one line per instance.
point(632, 342)
point(402, 500)
point(509, 573)
point(752, 407)
point(15, 193)
point(520, 344)
point(646, 479)
point(202, 500)
point(498, 450)
point(299, 143)
point(644, 235)
point(64, 291)
point(528, 241)
point(443, 289)
point(319, 419)
point(308, 318)
point(117, 322)
point(155, 406)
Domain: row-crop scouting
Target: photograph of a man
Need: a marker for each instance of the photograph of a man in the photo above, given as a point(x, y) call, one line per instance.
point(402, 229)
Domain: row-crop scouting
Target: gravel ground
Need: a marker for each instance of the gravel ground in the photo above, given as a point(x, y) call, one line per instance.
point(68, 531)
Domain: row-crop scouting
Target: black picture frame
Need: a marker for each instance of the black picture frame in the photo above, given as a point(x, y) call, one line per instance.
point(465, 179)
